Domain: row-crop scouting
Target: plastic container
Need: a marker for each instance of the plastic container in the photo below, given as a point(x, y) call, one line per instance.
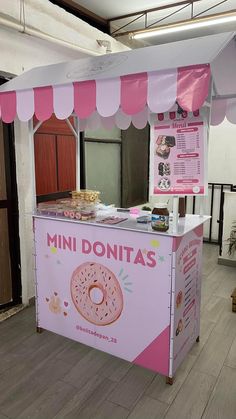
point(160, 217)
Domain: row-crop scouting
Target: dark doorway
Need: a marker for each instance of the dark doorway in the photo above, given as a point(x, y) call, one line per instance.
point(135, 166)
point(10, 280)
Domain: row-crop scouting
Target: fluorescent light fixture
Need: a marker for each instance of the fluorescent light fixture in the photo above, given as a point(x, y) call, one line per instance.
point(187, 25)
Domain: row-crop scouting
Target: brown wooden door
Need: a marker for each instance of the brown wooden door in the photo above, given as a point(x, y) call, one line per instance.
point(55, 160)
point(66, 155)
point(45, 164)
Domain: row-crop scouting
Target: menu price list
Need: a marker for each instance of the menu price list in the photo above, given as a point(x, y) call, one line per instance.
point(179, 158)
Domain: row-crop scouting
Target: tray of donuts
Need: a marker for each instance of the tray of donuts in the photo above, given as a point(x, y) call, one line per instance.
point(49, 209)
point(86, 196)
point(78, 210)
point(80, 213)
point(67, 209)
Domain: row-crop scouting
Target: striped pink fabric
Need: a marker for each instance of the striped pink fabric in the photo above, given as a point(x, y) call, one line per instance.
point(8, 106)
point(63, 100)
point(218, 111)
point(133, 93)
point(84, 98)
point(162, 90)
point(193, 86)
point(25, 104)
point(108, 96)
point(231, 111)
point(126, 97)
point(43, 102)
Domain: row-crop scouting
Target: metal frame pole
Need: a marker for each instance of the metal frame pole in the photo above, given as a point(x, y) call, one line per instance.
point(76, 132)
point(175, 213)
point(31, 150)
point(77, 153)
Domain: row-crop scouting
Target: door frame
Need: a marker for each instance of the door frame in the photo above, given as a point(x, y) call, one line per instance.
point(11, 205)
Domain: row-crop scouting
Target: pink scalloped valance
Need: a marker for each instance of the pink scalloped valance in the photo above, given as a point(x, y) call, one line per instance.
point(123, 98)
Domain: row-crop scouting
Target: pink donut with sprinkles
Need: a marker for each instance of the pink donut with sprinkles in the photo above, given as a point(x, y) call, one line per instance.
point(96, 293)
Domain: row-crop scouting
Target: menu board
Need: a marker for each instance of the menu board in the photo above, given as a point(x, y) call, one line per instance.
point(178, 157)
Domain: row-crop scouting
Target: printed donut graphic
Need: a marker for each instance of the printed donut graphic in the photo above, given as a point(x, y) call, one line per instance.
point(96, 293)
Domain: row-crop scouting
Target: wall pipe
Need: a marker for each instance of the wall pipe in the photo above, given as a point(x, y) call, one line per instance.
point(45, 37)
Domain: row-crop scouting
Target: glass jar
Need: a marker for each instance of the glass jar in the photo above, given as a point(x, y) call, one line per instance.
point(160, 217)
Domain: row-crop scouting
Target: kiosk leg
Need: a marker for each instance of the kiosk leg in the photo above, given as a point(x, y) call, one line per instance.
point(169, 380)
point(198, 339)
point(39, 329)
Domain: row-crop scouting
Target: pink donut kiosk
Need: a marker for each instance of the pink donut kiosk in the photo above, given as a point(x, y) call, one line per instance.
point(124, 288)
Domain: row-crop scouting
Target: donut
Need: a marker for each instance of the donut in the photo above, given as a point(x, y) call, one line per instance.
point(96, 293)
point(78, 216)
point(179, 299)
point(72, 214)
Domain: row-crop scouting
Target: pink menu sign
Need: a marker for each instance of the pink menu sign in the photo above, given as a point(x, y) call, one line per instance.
point(179, 157)
point(187, 266)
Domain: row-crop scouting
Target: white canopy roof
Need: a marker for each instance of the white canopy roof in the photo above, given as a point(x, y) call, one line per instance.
point(155, 58)
point(124, 87)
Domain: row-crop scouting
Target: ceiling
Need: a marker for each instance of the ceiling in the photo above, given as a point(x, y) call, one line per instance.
point(110, 9)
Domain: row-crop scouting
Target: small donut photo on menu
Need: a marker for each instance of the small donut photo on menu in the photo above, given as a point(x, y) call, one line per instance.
point(96, 293)
point(164, 144)
point(179, 299)
point(179, 327)
point(161, 168)
point(164, 184)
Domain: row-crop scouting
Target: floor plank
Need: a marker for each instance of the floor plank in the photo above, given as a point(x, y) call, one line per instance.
point(50, 402)
point(149, 408)
point(88, 366)
point(191, 400)
point(79, 399)
point(206, 328)
point(115, 368)
point(131, 387)
point(73, 353)
point(110, 411)
point(89, 409)
point(227, 324)
point(215, 308)
point(227, 283)
point(222, 403)
point(165, 393)
point(231, 357)
point(213, 354)
point(14, 400)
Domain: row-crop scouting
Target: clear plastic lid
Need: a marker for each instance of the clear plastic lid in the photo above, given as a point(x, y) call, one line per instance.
point(160, 205)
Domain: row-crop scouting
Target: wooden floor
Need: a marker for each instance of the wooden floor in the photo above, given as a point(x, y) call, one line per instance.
point(47, 376)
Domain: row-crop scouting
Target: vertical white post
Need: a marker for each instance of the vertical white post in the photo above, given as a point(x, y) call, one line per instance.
point(175, 213)
point(31, 150)
point(76, 119)
point(202, 205)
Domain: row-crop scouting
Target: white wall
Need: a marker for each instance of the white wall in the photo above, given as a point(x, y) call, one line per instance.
point(20, 52)
point(222, 153)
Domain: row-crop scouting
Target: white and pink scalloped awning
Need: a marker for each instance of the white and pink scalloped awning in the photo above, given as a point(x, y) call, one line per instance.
point(221, 109)
point(118, 100)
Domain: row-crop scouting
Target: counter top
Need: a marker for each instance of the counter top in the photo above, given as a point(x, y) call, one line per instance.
point(185, 224)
